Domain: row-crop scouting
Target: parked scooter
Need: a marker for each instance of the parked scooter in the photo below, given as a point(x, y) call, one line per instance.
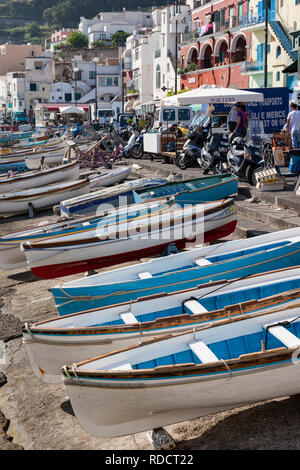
point(137, 151)
point(244, 158)
point(214, 154)
point(131, 142)
point(196, 139)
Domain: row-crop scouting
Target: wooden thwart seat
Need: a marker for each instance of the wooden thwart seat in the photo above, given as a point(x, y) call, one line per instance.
point(202, 351)
point(145, 275)
point(128, 317)
point(124, 366)
point(285, 336)
point(195, 307)
point(202, 262)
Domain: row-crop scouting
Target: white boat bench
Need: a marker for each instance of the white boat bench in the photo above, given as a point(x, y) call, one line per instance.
point(145, 275)
point(202, 262)
point(285, 336)
point(123, 366)
point(128, 317)
point(202, 351)
point(195, 307)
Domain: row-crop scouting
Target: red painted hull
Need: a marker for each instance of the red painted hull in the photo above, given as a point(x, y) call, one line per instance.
point(59, 270)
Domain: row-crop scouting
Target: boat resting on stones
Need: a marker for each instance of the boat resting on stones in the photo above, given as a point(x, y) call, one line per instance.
point(109, 177)
point(12, 257)
point(116, 243)
point(43, 177)
point(19, 202)
point(211, 368)
point(52, 343)
point(184, 270)
point(106, 198)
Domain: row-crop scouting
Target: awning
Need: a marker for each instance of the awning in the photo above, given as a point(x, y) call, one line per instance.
point(292, 68)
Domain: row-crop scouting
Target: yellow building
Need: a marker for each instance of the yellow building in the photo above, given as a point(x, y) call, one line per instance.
point(283, 17)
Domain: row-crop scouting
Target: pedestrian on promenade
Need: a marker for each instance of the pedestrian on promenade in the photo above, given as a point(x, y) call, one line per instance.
point(242, 121)
point(293, 125)
point(232, 118)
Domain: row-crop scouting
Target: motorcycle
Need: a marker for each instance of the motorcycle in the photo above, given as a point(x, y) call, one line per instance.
point(214, 154)
point(131, 142)
point(196, 139)
point(137, 151)
point(244, 158)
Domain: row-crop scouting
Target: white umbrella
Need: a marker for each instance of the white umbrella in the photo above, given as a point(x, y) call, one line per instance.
point(213, 94)
point(72, 110)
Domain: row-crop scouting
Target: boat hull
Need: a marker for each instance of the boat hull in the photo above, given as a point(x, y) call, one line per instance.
point(102, 411)
point(33, 162)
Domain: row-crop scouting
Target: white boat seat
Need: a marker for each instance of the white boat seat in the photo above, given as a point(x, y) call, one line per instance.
point(128, 317)
point(203, 352)
point(145, 275)
point(124, 366)
point(195, 307)
point(202, 262)
point(285, 336)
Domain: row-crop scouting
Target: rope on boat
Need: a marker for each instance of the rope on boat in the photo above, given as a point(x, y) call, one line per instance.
point(65, 370)
point(227, 367)
point(92, 298)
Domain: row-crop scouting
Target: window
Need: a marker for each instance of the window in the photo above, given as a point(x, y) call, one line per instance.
point(231, 11)
point(223, 17)
point(158, 79)
point(116, 81)
point(168, 115)
point(297, 2)
point(109, 81)
point(102, 81)
point(92, 75)
point(278, 51)
point(277, 76)
point(240, 9)
point(184, 114)
point(68, 97)
point(32, 87)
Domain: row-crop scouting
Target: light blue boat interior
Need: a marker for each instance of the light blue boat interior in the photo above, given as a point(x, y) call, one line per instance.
point(226, 349)
point(218, 301)
point(228, 266)
point(195, 191)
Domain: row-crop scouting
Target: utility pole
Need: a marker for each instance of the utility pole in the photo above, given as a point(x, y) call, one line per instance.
point(266, 44)
point(176, 45)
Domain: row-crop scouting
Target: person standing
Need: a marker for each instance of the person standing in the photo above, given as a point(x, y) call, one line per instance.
point(293, 125)
point(242, 121)
point(232, 119)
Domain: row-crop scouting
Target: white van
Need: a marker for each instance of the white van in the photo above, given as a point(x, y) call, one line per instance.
point(109, 113)
point(169, 115)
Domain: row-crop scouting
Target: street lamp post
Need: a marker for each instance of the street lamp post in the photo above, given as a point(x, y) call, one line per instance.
point(96, 61)
point(75, 70)
point(176, 45)
point(266, 44)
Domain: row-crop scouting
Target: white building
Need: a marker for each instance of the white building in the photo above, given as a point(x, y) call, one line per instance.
point(103, 25)
point(149, 57)
point(40, 75)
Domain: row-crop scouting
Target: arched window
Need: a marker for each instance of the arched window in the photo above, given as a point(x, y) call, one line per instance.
point(278, 51)
point(158, 77)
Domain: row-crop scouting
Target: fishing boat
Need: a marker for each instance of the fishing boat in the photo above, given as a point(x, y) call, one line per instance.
point(121, 242)
point(19, 202)
point(184, 270)
point(62, 340)
point(33, 179)
point(209, 369)
point(50, 159)
point(109, 177)
point(17, 165)
point(107, 197)
point(193, 191)
point(12, 257)
point(14, 136)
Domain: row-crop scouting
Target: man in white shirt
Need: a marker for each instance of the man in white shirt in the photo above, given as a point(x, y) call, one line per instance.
point(293, 125)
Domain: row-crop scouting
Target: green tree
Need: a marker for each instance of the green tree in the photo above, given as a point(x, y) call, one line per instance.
point(77, 40)
point(99, 44)
point(119, 38)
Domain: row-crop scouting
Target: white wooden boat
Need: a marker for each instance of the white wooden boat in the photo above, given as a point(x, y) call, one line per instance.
point(33, 161)
point(207, 370)
point(93, 248)
point(33, 179)
point(151, 277)
point(109, 177)
point(106, 198)
point(40, 198)
point(62, 340)
point(12, 257)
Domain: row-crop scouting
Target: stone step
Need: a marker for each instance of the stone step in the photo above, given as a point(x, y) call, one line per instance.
point(281, 219)
point(247, 228)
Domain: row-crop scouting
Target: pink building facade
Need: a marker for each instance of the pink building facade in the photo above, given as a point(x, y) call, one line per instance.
point(213, 52)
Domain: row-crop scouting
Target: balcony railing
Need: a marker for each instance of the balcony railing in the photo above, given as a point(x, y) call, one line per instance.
point(253, 18)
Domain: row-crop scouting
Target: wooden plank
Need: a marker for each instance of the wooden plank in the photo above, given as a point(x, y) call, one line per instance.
point(203, 352)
